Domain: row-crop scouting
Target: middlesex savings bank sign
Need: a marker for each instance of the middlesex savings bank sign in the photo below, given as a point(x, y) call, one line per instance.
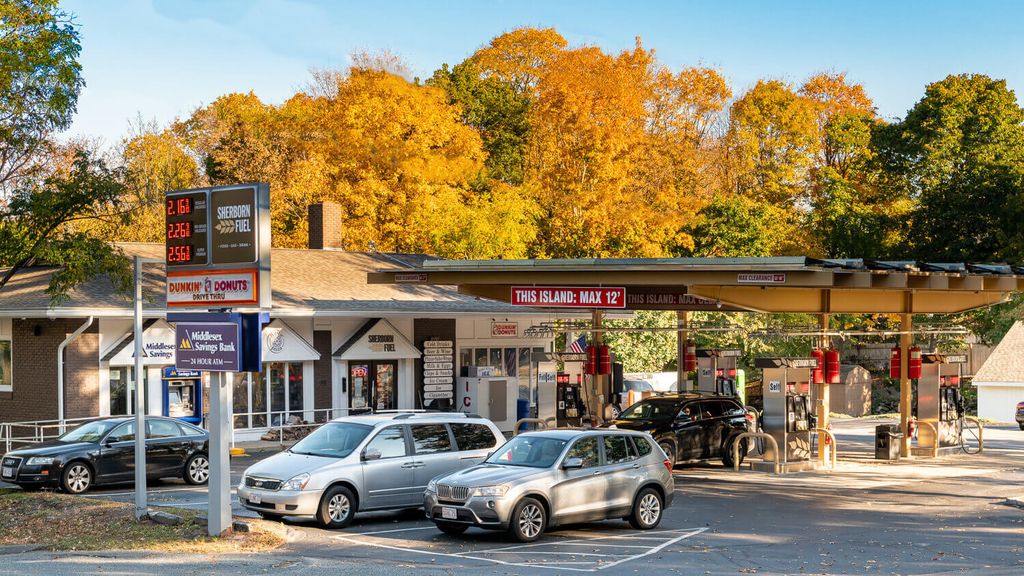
point(568, 297)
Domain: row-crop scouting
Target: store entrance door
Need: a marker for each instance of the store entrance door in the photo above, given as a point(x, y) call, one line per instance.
point(374, 385)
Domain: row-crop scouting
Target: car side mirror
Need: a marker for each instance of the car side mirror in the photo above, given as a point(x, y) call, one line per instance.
point(572, 463)
point(371, 454)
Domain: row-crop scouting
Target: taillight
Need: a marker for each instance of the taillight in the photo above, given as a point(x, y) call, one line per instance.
point(749, 417)
point(668, 464)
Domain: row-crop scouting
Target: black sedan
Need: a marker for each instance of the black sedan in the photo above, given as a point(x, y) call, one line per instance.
point(103, 452)
point(690, 426)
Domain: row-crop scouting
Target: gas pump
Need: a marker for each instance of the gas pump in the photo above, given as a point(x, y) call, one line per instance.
point(788, 413)
point(183, 394)
point(717, 371)
point(569, 402)
point(940, 403)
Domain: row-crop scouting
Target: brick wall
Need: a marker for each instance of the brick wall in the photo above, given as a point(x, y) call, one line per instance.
point(325, 226)
point(34, 367)
point(322, 370)
point(82, 373)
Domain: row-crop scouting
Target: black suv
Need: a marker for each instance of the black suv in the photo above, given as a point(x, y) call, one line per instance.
point(690, 426)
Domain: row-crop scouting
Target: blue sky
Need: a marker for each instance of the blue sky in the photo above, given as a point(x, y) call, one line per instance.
point(160, 59)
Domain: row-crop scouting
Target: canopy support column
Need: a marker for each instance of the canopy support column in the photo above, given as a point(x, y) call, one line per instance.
point(906, 340)
point(823, 397)
point(683, 323)
point(598, 399)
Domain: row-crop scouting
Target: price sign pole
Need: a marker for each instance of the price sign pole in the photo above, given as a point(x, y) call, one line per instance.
point(218, 258)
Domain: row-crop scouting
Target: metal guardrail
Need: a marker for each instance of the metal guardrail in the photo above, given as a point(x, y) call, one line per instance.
point(935, 435)
point(543, 423)
point(981, 432)
point(832, 439)
point(768, 437)
point(13, 434)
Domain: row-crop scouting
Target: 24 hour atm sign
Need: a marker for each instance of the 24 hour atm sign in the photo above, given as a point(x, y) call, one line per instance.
point(569, 297)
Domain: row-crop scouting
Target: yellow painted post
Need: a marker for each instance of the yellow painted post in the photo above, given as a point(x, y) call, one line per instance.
point(906, 340)
point(823, 397)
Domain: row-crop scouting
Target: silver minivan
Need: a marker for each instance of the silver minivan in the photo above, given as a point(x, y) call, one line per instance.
point(550, 477)
point(360, 463)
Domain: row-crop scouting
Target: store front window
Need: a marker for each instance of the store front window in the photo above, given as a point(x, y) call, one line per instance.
point(122, 390)
point(373, 385)
point(270, 397)
point(520, 363)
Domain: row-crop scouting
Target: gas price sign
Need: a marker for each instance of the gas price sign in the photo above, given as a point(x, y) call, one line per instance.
point(185, 215)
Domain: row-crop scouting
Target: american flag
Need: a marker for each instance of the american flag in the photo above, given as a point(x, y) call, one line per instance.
point(578, 345)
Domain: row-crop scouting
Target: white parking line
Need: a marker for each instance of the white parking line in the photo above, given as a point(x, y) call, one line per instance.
point(431, 527)
point(131, 493)
point(552, 564)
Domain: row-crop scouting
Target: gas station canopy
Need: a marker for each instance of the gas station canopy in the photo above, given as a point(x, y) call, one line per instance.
point(781, 284)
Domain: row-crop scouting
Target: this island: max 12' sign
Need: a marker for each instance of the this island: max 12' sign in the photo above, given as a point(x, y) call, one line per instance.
point(569, 296)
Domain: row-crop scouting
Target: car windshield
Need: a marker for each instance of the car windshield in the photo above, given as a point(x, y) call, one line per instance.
point(531, 451)
point(90, 431)
point(651, 409)
point(333, 440)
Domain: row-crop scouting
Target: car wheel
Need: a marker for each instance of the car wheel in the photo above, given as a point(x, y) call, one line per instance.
point(337, 508)
point(669, 449)
point(269, 516)
point(197, 469)
point(727, 452)
point(77, 478)
point(451, 528)
point(647, 509)
point(528, 520)
point(1022, 425)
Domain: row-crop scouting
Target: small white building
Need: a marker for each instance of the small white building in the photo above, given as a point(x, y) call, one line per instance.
point(1000, 380)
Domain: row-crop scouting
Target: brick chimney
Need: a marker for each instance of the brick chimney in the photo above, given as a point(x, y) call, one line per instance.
point(325, 227)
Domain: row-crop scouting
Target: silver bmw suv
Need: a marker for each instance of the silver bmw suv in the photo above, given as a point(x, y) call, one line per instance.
point(546, 478)
point(359, 463)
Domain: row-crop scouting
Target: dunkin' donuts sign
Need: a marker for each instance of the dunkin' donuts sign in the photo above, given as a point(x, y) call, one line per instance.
point(214, 288)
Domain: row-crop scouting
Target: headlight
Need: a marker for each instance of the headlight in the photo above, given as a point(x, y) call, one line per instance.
point(297, 483)
point(40, 461)
point(493, 491)
point(432, 485)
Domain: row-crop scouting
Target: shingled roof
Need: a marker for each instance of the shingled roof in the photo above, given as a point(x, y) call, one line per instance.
point(314, 281)
point(1006, 363)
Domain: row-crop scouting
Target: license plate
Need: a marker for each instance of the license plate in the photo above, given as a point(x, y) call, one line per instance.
point(8, 472)
point(255, 498)
point(449, 513)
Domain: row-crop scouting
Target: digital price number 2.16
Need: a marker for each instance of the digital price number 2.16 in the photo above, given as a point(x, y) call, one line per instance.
point(185, 215)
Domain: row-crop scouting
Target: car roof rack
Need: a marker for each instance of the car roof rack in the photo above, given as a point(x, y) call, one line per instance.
point(429, 413)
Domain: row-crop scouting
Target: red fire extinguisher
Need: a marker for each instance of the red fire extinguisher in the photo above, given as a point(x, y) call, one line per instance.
point(818, 373)
point(590, 364)
point(914, 364)
point(832, 370)
point(690, 356)
point(894, 362)
point(604, 359)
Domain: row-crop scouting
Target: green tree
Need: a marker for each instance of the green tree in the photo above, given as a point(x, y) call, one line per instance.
point(44, 223)
point(496, 110)
point(960, 151)
point(644, 351)
point(39, 81)
point(735, 226)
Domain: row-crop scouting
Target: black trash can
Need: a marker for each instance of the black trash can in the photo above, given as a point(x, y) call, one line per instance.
point(887, 446)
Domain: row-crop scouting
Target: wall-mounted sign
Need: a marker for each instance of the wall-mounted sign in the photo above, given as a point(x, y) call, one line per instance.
point(438, 370)
point(172, 373)
point(770, 278)
point(568, 297)
point(223, 230)
point(504, 329)
point(217, 288)
point(410, 278)
point(209, 346)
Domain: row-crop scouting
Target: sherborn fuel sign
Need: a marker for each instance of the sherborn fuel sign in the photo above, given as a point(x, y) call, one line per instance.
point(218, 246)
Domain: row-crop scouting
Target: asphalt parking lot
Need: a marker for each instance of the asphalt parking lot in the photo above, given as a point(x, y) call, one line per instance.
point(915, 517)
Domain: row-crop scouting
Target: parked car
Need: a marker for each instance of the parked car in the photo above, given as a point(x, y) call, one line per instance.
point(638, 386)
point(103, 452)
point(1020, 415)
point(359, 463)
point(546, 478)
point(690, 426)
